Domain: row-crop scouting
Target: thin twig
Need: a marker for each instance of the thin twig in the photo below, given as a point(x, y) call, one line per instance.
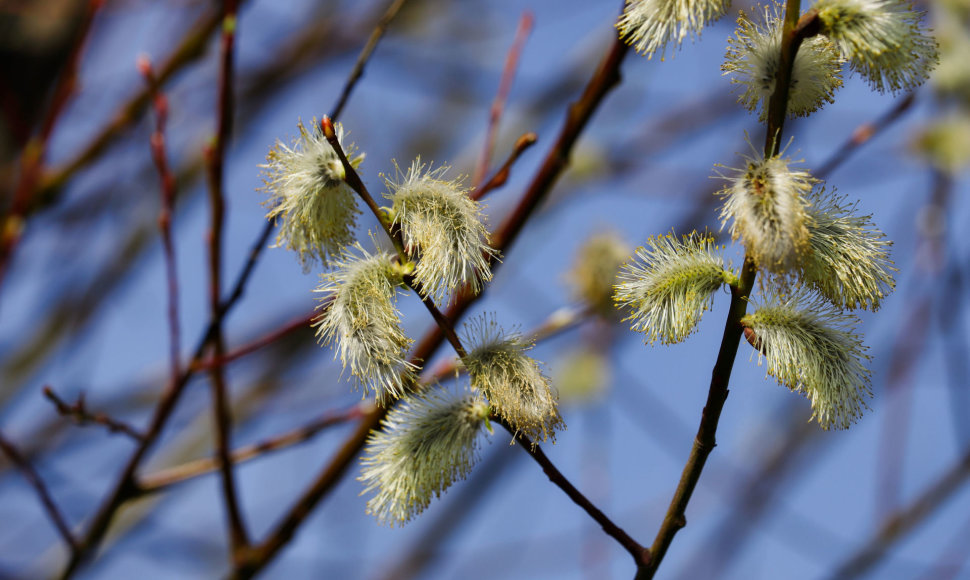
point(33, 478)
point(216, 154)
point(166, 478)
point(79, 412)
point(364, 57)
point(167, 211)
point(640, 554)
point(501, 96)
point(266, 340)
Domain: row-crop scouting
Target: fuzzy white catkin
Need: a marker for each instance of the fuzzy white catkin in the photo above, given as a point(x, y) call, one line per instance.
point(442, 229)
point(425, 444)
point(512, 381)
point(766, 203)
point(669, 285)
point(363, 323)
point(881, 39)
point(650, 25)
point(810, 348)
point(754, 56)
point(315, 209)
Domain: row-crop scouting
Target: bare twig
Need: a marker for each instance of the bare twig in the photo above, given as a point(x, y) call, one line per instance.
point(375, 36)
point(270, 338)
point(168, 208)
point(79, 412)
point(166, 478)
point(38, 484)
point(502, 175)
point(216, 154)
point(498, 104)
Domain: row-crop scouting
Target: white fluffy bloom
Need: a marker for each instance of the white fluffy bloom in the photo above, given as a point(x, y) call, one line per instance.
point(512, 381)
point(316, 209)
point(426, 443)
point(364, 324)
point(849, 260)
point(881, 39)
point(754, 55)
point(442, 229)
point(670, 284)
point(810, 348)
point(648, 25)
point(767, 204)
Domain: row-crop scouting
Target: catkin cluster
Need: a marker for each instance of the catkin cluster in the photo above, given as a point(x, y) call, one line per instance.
point(819, 257)
point(430, 435)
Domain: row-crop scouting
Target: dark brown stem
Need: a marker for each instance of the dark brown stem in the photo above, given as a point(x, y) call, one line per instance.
point(270, 338)
point(216, 154)
point(79, 412)
point(33, 478)
point(793, 32)
point(639, 553)
point(498, 104)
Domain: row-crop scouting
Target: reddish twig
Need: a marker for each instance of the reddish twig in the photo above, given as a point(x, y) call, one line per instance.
point(165, 478)
point(79, 412)
point(270, 338)
point(33, 478)
point(502, 175)
point(604, 79)
point(160, 103)
point(216, 155)
point(32, 157)
point(504, 87)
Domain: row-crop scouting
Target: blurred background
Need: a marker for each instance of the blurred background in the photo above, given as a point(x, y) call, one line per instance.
point(83, 298)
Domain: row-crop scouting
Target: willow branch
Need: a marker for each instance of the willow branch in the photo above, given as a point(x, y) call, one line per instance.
point(79, 412)
point(33, 478)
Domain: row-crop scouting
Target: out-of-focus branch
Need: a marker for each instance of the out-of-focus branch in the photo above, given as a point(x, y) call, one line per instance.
point(79, 412)
point(38, 484)
point(160, 104)
point(216, 156)
point(502, 175)
point(498, 104)
point(166, 478)
point(897, 525)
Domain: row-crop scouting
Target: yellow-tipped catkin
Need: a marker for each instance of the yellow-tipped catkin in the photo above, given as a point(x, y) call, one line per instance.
point(315, 209)
point(424, 445)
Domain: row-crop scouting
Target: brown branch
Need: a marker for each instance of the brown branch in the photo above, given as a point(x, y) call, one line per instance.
point(897, 525)
point(168, 192)
point(268, 339)
point(606, 76)
point(79, 412)
point(33, 478)
point(216, 154)
point(166, 478)
point(375, 36)
point(526, 22)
